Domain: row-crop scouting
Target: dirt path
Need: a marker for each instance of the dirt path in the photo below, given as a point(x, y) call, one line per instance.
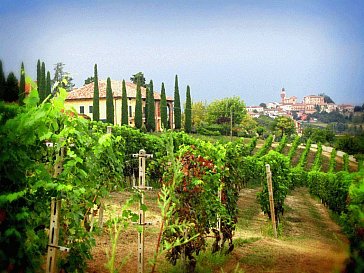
point(310, 240)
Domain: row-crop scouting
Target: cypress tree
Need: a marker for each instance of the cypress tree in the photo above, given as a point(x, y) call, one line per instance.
point(22, 85)
point(48, 90)
point(163, 108)
point(42, 83)
point(177, 106)
point(151, 109)
point(124, 105)
point(146, 112)
point(38, 75)
point(188, 111)
point(138, 119)
point(109, 103)
point(2, 81)
point(96, 98)
point(11, 88)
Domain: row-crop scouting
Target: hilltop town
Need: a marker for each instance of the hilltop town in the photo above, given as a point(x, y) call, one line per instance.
point(290, 106)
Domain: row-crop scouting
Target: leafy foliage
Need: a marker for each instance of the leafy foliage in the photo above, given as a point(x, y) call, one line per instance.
point(303, 158)
point(294, 147)
point(285, 125)
point(252, 145)
point(92, 164)
point(266, 146)
point(138, 77)
point(318, 134)
point(282, 144)
point(60, 74)
point(219, 111)
point(89, 80)
point(346, 162)
point(318, 159)
point(332, 162)
point(281, 181)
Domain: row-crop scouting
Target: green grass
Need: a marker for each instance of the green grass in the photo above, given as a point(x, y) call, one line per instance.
point(240, 242)
point(260, 255)
point(246, 215)
point(207, 262)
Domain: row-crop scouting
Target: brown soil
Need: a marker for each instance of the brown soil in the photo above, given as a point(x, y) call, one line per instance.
point(310, 240)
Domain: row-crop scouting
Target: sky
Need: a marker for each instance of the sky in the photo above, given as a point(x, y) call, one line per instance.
point(250, 49)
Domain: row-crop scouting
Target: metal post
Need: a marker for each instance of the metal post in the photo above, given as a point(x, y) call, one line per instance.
point(271, 201)
point(141, 156)
point(231, 124)
point(218, 216)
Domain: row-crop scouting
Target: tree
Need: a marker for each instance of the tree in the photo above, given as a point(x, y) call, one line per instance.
point(318, 108)
point(89, 80)
point(358, 108)
point(249, 127)
point(138, 77)
point(177, 106)
point(263, 105)
point(96, 98)
point(146, 112)
point(2, 81)
point(220, 111)
point(109, 103)
point(188, 111)
point(39, 71)
point(42, 83)
point(138, 108)
point(60, 74)
point(163, 108)
point(48, 89)
point(285, 125)
point(124, 105)
point(199, 114)
point(327, 99)
point(151, 108)
point(22, 84)
point(11, 88)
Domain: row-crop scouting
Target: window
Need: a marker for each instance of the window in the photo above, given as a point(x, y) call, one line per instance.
point(90, 109)
point(130, 111)
point(82, 109)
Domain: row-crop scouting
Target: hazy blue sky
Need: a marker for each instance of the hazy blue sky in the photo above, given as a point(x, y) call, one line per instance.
point(249, 49)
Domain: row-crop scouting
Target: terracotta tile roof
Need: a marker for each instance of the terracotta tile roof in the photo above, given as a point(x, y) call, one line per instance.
point(87, 91)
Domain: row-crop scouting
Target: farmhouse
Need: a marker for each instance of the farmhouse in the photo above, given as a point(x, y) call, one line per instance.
point(81, 99)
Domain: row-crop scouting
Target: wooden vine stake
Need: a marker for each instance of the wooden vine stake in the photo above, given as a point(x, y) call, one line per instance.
point(142, 187)
point(271, 201)
point(53, 236)
point(53, 247)
point(101, 209)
